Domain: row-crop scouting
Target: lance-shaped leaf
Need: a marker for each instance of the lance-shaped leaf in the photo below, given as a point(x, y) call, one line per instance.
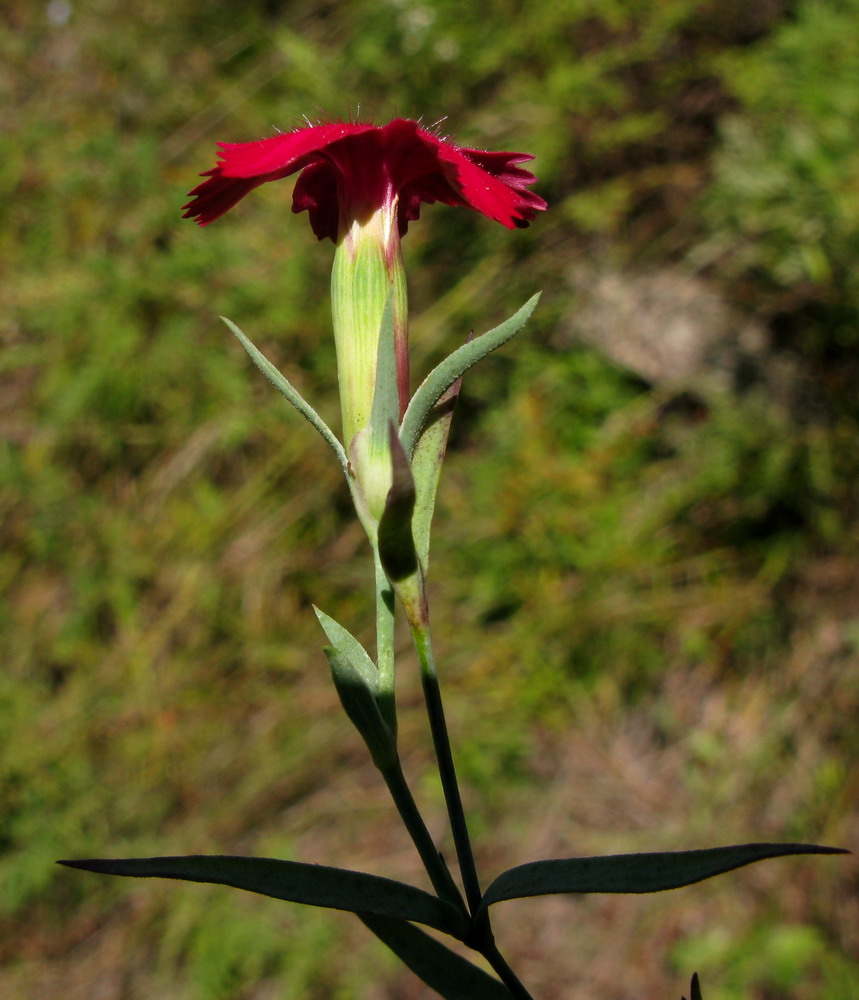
point(634, 872)
point(450, 975)
point(349, 648)
point(386, 400)
point(442, 377)
point(360, 704)
point(314, 885)
point(370, 448)
point(290, 392)
point(426, 469)
point(395, 538)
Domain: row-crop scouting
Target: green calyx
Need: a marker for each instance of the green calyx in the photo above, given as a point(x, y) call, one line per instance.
point(368, 268)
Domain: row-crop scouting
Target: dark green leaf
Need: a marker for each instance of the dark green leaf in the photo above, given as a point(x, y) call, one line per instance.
point(694, 989)
point(359, 702)
point(450, 975)
point(315, 885)
point(396, 542)
point(442, 377)
point(634, 872)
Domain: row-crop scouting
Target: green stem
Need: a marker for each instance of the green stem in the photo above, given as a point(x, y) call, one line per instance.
point(434, 863)
point(449, 784)
point(385, 644)
point(435, 866)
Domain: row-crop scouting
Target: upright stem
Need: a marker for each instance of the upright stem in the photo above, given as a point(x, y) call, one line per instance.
point(449, 784)
point(436, 868)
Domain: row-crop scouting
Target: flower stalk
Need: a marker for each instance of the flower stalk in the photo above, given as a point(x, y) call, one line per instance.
point(361, 186)
point(434, 863)
point(447, 770)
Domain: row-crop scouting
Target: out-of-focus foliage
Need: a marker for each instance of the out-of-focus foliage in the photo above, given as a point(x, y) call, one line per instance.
point(783, 209)
point(670, 572)
point(785, 198)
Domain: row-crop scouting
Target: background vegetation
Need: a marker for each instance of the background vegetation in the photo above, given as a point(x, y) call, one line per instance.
point(645, 588)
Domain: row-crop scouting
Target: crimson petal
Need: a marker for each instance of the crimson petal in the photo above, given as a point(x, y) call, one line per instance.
point(348, 169)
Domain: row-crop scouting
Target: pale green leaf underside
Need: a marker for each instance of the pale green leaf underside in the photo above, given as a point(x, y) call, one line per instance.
point(453, 367)
point(291, 393)
point(350, 649)
point(426, 469)
point(386, 403)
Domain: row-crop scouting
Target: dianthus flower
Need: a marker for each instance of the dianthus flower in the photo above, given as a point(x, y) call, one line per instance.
point(351, 170)
point(361, 186)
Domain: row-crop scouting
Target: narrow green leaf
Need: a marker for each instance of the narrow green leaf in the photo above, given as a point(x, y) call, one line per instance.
point(395, 539)
point(350, 649)
point(450, 975)
point(442, 377)
point(386, 400)
point(634, 872)
point(314, 885)
point(426, 468)
point(291, 393)
point(360, 704)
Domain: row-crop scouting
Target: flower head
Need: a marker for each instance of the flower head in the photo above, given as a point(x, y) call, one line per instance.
point(349, 171)
point(361, 185)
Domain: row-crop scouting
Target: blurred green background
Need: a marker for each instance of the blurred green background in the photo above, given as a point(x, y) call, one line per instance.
point(646, 561)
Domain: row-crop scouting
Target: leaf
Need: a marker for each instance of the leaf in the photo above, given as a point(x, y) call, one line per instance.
point(360, 704)
point(386, 400)
point(426, 468)
point(291, 393)
point(450, 975)
point(314, 885)
point(370, 448)
point(350, 649)
point(395, 539)
point(442, 377)
point(634, 872)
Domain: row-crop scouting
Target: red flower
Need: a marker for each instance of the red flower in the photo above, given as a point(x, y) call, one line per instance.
point(349, 171)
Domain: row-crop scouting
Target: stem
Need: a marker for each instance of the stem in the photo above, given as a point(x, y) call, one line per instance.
point(436, 868)
point(447, 772)
point(481, 937)
point(507, 976)
point(385, 643)
point(434, 863)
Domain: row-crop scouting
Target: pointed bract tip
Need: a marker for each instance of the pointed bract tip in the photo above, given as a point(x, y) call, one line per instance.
point(694, 988)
